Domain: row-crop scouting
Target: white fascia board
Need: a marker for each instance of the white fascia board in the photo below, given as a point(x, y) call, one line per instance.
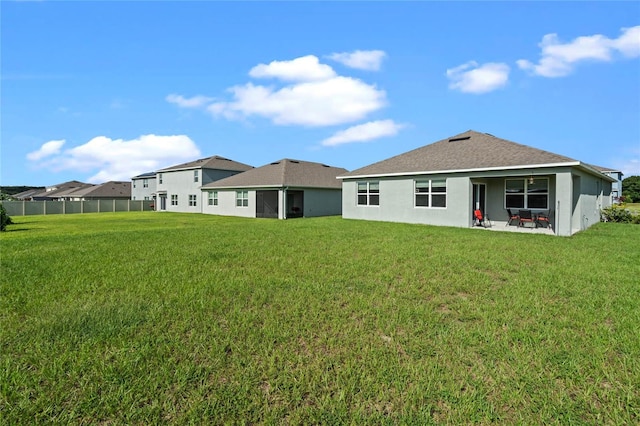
point(204, 188)
point(484, 169)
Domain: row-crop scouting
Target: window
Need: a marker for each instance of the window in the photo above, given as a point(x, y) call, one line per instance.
point(431, 193)
point(242, 198)
point(523, 194)
point(145, 183)
point(192, 200)
point(134, 183)
point(213, 198)
point(195, 176)
point(368, 193)
point(159, 177)
point(174, 199)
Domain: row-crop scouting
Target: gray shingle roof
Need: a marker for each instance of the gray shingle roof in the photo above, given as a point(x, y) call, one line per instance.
point(283, 173)
point(146, 175)
point(470, 150)
point(106, 190)
point(215, 162)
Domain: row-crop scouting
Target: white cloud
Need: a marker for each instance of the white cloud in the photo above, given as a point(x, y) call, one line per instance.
point(118, 159)
point(474, 78)
point(308, 94)
point(318, 103)
point(364, 132)
point(558, 59)
point(369, 60)
point(305, 68)
point(194, 102)
point(47, 149)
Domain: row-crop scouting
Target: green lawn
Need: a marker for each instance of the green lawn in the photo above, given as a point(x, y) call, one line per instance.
point(634, 207)
point(184, 318)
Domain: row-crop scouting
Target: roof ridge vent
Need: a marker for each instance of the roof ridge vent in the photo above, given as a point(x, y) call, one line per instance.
point(461, 138)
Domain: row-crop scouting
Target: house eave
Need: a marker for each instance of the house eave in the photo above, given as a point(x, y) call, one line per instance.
point(482, 169)
point(208, 188)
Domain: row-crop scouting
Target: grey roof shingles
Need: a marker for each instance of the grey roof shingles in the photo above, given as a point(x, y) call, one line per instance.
point(214, 162)
point(470, 150)
point(284, 173)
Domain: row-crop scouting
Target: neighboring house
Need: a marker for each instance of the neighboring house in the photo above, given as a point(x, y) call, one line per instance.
point(78, 191)
point(282, 189)
point(112, 190)
point(616, 187)
point(143, 187)
point(56, 192)
point(442, 183)
point(28, 194)
point(178, 187)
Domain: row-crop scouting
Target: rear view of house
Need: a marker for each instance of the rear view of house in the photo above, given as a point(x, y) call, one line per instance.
point(282, 189)
point(444, 182)
point(178, 187)
point(143, 187)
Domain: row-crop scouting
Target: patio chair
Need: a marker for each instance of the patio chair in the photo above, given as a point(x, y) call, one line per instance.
point(480, 219)
point(512, 217)
point(525, 217)
point(542, 220)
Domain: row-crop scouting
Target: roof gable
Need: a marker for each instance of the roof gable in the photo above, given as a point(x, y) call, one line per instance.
point(215, 162)
point(470, 150)
point(283, 173)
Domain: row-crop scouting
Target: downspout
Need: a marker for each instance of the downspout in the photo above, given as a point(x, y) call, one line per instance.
point(284, 202)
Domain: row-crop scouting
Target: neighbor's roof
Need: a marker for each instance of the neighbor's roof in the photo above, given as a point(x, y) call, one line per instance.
point(216, 162)
point(284, 173)
point(110, 189)
point(145, 175)
point(61, 188)
point(104, 190)
point(605, 169)
point(468, 151)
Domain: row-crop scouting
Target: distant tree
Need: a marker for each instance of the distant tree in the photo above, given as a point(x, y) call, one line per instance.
point(5, 219)
point(631, 189)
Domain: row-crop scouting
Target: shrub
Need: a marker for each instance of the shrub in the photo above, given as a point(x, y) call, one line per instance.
point(618, 213)
point(5, 219)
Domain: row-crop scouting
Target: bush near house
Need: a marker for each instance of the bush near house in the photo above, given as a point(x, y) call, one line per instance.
point(5, 219)
point(619, 213)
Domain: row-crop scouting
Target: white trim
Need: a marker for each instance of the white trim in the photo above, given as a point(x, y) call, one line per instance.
point(484, 169)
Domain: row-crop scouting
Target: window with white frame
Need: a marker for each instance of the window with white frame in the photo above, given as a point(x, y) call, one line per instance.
point(431, 193)
point(174, 199)
point(369, 193)
point(196, 176)
point(213, 198)
point(192, 200)
point(159, 177)
point(242, 198)
point(526, 193)
point(145, 183)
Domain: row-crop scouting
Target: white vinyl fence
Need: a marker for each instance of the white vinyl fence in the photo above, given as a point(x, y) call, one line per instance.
point(28, 208)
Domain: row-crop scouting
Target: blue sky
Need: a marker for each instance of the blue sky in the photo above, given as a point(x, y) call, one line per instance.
point(98, 91)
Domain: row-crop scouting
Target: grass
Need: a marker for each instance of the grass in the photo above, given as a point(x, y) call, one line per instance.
point(183, 318)
point(634, 207)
